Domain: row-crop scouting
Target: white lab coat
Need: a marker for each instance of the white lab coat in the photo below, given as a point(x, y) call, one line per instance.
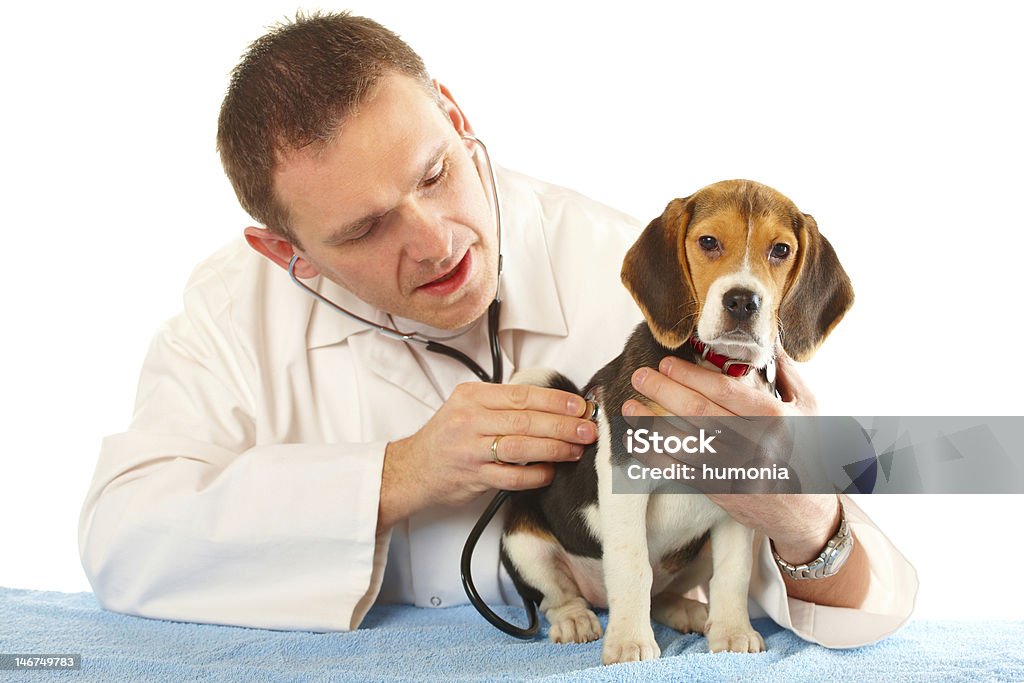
point(246, 488)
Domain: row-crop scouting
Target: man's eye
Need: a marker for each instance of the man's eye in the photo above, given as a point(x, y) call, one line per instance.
point(441, 174)
point(708, 243)
point(365, 232)
point(360, 236)
point(780, 251)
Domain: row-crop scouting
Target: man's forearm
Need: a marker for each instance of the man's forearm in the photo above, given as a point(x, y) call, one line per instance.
point(846, 588)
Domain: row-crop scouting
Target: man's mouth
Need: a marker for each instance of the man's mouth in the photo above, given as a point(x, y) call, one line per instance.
point(448, 282)
point(446, 277)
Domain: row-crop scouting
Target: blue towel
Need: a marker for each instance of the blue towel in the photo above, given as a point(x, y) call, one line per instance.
point(402, 643)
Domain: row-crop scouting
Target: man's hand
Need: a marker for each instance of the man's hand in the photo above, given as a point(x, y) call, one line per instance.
point(688, 390)
point(448, 461)
point(684, 389)
point(798, 525)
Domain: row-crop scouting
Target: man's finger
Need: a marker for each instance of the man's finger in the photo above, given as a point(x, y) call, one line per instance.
point(527, 397)
point(683, 398)
point(523, 449)
point(790, 384)
point(632, 408)
point(724, 395)
point(518, 477)
point(537, 424)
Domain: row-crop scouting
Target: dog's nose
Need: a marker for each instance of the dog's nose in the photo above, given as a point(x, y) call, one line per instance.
point(742, 304)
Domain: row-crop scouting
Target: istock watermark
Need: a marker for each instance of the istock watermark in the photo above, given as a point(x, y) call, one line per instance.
point(818, 454)
point(647, 441)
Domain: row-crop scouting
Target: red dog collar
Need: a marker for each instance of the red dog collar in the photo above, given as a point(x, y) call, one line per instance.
point(733, 368)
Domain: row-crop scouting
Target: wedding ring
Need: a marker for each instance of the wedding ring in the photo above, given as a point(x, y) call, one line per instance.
point(494, 450)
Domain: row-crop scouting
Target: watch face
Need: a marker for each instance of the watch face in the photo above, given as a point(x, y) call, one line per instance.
point(839, 556)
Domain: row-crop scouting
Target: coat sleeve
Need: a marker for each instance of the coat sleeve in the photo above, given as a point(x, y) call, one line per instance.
point(189, 518)
point(887, 606)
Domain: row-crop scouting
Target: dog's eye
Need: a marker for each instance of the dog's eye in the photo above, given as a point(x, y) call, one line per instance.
point(708, 243)
point(780, 251)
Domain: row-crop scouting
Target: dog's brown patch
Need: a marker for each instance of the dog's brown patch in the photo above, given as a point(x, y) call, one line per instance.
point(528, 524)
point(682, 557)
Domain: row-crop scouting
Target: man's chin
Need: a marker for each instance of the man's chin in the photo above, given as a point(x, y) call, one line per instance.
point(454, 321)
point(453, 315)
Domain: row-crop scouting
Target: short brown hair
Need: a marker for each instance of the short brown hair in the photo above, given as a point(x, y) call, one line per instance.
point(292, 89)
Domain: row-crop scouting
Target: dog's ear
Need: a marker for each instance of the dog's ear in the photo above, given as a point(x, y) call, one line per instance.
point(656, 273)
point(819, 295)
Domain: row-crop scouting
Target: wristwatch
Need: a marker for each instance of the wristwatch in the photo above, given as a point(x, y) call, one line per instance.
point(832, 558)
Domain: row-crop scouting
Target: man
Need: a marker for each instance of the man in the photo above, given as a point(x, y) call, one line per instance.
point(286, 467)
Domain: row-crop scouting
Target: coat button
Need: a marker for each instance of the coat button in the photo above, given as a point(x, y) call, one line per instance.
point(435, 601)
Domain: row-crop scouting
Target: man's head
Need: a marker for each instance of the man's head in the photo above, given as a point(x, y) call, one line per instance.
point(337, 140)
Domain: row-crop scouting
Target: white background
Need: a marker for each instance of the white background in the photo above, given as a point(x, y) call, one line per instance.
point(897, 126)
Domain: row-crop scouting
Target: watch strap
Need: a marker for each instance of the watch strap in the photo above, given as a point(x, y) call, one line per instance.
point(829, 561)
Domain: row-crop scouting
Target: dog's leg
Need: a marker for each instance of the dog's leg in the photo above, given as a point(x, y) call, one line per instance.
point(541, 561)
point(537, 560)
point(683, 614)
point(728, 626)
point(628, 575)
point(628, 578)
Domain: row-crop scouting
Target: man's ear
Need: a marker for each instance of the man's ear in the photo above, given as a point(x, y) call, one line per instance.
point(280, 250)
point(453, 110)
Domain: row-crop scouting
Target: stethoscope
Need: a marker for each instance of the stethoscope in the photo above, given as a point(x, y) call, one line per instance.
point(496, 376)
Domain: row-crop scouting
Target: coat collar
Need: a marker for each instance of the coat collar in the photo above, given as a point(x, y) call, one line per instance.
point(530, 298)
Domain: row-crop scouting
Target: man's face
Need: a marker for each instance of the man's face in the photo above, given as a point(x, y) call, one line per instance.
point(394, 210)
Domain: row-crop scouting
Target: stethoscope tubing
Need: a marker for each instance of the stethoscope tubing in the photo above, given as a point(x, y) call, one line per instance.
point(495, 377)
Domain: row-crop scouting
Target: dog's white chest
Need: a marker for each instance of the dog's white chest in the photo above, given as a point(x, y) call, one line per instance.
point(673, 522)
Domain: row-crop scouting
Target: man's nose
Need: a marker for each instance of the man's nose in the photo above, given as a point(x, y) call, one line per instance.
point(427, 236)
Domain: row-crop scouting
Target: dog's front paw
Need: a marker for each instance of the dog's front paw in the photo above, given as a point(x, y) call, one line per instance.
point(734, 637)
point(629, 645)
point(578, 625)
point(682, 614)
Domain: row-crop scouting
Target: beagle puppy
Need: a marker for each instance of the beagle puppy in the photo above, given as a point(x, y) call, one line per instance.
point(721, 277)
